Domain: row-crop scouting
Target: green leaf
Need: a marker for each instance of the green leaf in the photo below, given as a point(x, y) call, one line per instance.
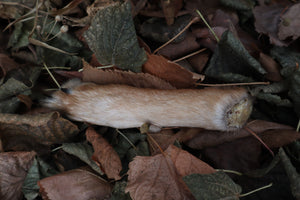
point(294, 92)
point(30, 187)
point(119, 191)
point(112, 38)
point(212, 186)
point(287, 58)
point(231, 62)
point(84, 152)
point(292, 173)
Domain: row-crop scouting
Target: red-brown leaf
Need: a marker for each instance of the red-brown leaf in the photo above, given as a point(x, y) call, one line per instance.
point(74, 185)
point(104, 154)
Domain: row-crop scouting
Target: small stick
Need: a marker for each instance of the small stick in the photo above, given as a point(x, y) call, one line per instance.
point(127, 139)
point(231, 84)
point(176, 36)
point(55, 81)
point(256, 190)
point(212, 31)
point(259, 139)
point(190, 55)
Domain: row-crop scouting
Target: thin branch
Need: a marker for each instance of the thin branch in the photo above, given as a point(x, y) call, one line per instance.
point(176, 36)
point(190, 55)
point(256, 190)
point(211, 30)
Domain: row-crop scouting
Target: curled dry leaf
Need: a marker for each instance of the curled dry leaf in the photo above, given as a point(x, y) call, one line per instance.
point(76, 185)
point(169, 71)
point(13, 170)
point(141, 80)
point(105, 156)
point(46, 128)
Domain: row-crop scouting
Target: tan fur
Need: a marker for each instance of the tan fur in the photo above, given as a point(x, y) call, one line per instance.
point(122, 106)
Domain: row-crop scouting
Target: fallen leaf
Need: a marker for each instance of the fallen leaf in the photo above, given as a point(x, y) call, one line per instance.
point(267, 19)
point(231, 62)
point(294, 92)
point(30, 187)
point(279, 138)
point(212, 186)
point(119, 191)
point(104, 155)
point(272, 67)
point(186, 164)
point(170, 9)
point(113, 39)
point(169, 71)
point(289, 23)
point(292, 173)
point(199, 61)
point(188, 45)
point(6, 64)
point(13, 169)
point(142, 80)
point(46, 129)
point(154, 178)
point(163, 139)
point(241, 155)
point(75, 184)
point(82, 151)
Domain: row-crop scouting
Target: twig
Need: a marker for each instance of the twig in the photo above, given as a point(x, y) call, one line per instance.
point(256, 190)
point(190, 55)
point(176, 36)
point(298, 126)
point(126, 138)
point(229, 171)
point(212, 31)
point(259, 139)
point(55, 81)
point(231, 84)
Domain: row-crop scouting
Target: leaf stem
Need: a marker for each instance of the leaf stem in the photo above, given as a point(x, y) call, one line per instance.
point(230, 171)
point(176, 36)
point(232, 84)
point(256, 190)
point(126, 138)
point(212, 31)
point(190, 55)
point(298, 126)
point(53, 78)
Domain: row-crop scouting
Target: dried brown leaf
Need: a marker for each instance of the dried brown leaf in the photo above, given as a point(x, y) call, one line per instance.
point(154, 178)
point(272, 67)
point(172, 51)
point(74, 185)
point(279, 138)
point(206, 138)
point(6, 64)
point(46, 128)
point(13, 170)
point(169, 71)
point(105, 156)
point(164, 139)
point(199, 61)
point(142, 80)
point(289, 24)
point(186, 164)
point(267, 19)
point(170, 9)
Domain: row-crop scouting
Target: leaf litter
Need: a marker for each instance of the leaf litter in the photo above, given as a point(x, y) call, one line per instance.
point(46, 155)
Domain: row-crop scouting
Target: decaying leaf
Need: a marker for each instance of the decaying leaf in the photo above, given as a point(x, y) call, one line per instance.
point(13, 170)
point(6, 64)
point(142, 80)
point(169, 71)
point(75, 184)
point(47, 128)
point(294, 92)
point(170, 9)
point(112, 38)
point(212, 186)
point(104, 155)
point(272, 67)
